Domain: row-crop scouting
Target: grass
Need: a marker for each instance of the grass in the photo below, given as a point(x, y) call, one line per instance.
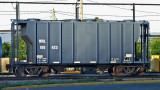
point(118, 79)
point(49, 83)
point(28, 83)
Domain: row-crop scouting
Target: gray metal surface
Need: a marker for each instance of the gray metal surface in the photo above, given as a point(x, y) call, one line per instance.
point(67, 42)
point(104, 37)
point(128, 41)
point(85, 42)
point(42, 42)
point(54, 41)
point(116, 42)
point(80, 42)
point(28, 34)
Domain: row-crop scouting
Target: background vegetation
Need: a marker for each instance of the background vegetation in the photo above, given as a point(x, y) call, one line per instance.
point(6, 49)
point(155, 46)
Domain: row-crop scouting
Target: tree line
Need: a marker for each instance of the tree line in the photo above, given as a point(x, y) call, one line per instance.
point(6, 49)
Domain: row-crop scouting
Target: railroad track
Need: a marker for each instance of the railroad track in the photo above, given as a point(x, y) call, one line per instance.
point(81, 76)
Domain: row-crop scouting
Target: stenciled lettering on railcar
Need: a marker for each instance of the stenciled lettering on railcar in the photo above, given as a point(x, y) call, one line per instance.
point(42, 41)
point(54, 47)
point(42, 47)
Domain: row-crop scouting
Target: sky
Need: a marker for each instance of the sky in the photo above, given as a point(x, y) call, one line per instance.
point(149, 13)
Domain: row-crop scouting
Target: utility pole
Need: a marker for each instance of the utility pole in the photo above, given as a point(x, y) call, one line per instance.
point(77, 9)
point(81, 10)
point(17, 11)
point(135, 45)
point(133, 12)
point(53, 14)
point(17, 18)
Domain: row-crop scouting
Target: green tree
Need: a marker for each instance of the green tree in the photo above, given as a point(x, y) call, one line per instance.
point(6, 49)
point(138, 49)
point(155, 46)
point(22, 48)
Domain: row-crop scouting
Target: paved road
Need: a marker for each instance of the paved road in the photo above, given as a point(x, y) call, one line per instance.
point(140, 86)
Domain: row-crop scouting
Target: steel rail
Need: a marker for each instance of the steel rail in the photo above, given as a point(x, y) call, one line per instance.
point(76, 77)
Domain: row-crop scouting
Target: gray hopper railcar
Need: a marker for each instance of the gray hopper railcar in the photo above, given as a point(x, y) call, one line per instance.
point(103, 45)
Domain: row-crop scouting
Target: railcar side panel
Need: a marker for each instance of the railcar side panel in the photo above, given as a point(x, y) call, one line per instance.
point(116, 43)
point(42, 42)
point(55, 43)
point(85, 42)
point(67, 42)
point(104, 37)
point(80, 42)
point(128, 43)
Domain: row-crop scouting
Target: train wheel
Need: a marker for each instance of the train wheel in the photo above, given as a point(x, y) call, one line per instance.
point(116, 71)
point(45, 72)
point(119, 70)
point(54, 71)
point(111, 71)
point(20, 71)
point(141, 71)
